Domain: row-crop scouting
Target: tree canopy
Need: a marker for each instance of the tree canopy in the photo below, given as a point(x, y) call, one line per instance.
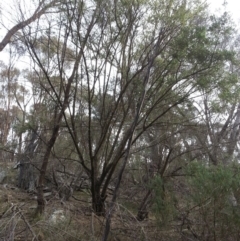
point(134, 97)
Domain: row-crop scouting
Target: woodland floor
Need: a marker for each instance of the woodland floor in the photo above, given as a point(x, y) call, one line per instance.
point(71, 220)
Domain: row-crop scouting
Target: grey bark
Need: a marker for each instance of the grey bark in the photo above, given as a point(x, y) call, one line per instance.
point(27, 174)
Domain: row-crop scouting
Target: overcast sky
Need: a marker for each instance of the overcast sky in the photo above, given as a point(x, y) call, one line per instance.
point(233, 6)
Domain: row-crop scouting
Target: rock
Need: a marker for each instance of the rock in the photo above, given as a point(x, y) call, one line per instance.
point(57, 216)
point(47, 194)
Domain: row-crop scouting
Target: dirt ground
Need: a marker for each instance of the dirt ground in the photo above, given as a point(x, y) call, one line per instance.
point(70, 220)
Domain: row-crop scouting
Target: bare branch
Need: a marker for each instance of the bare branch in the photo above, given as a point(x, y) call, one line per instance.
point(36, 15)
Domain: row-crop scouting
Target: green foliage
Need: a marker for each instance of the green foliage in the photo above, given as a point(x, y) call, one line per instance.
point(212, 197)
point(163, 201)
point(209, 182)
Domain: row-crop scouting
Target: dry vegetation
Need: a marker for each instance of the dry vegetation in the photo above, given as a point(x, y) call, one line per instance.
point(71, 220)
point(196, 207)
point(74, 219)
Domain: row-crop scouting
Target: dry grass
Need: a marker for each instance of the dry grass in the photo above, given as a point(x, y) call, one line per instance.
point(74, 220)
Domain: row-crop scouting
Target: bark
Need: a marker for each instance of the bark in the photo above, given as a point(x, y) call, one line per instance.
point(142, 211)
point(234, 135)
point(27, 176)
point(51, 142)
point(98, 201)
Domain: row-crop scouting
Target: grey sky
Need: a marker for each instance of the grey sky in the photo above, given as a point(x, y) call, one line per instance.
point(232, 6)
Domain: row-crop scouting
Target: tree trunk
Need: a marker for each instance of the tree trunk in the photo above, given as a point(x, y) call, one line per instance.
point(27, 175)
point(98, 201)
point(43, 170)
point(142, 211)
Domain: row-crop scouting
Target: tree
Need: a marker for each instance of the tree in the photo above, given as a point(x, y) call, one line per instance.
point(141, 97)
point(71, 15)
point(125, 80)
point(9, 111)
point(113, 73)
